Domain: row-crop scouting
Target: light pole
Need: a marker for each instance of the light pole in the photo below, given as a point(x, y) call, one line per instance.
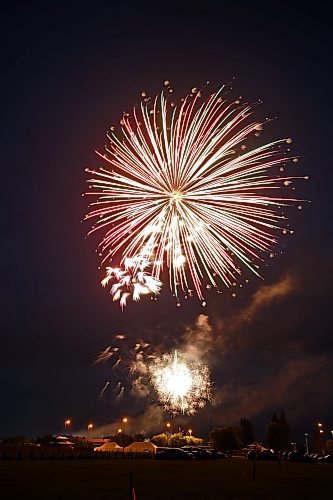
point(125, 420)
point(89, 428)
point(190, 432)
point(321, 432)
point(306, 442)
point(67, 423)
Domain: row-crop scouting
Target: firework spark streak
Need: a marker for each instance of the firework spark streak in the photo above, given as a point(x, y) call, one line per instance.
point(183, 192)
point(133, 281)
point(181, 387)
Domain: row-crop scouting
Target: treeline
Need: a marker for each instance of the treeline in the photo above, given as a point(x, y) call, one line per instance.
point(278, 437)
point(224, 438)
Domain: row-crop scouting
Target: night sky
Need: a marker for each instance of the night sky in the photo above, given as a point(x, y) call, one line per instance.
point(69, 70)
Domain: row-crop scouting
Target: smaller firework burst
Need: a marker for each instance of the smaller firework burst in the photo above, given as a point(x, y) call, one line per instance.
point(182, 387)
point(132, 281)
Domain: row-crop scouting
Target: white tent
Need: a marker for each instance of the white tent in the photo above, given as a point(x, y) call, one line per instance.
point(107, 447)
point(141, 447)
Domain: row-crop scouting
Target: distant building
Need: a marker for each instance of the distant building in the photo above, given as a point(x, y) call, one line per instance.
point(63, 441)
point(141, 447)
point(108, 447)
point(98, 441)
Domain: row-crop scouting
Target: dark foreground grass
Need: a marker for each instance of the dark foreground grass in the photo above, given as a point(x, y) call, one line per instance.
point(165, 480)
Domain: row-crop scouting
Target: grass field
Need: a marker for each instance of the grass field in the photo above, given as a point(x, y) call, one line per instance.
point(165, 480)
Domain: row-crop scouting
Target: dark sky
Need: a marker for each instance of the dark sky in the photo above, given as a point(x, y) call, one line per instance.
point(69, 70)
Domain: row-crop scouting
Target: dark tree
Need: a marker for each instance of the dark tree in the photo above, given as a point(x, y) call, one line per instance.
point(46, 439)
point(245, 432)
point(139, 437)
point(279, 436)
point(122, 439)
point(16, 440)
point(224, 439)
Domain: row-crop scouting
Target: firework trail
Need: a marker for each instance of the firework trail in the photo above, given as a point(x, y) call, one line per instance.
point(129, 364)
point(106, 354)
point(181, 387)
point(185, 193)
point(106, 385)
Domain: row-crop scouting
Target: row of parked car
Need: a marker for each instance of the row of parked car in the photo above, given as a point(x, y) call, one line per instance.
point(292, 456)
point(189, 453)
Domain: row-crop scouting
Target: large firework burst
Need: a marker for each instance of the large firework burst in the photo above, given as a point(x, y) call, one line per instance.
point(182, 387)
point(184, 191)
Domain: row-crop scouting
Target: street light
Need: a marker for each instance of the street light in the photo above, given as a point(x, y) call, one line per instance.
point(321, 432)
point(306, 442)
point(125, 420)
point(190, 432)
point(89, 428)
point(67, 423)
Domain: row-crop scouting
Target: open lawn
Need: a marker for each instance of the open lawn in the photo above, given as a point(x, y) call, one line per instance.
point(165, 480)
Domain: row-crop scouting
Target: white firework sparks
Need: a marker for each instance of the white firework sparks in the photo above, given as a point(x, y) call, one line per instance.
point(133, 281)
point(181, 387)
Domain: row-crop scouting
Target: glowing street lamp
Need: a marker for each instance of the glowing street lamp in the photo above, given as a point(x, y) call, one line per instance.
point(190, 432)
point(67, 423)
point(89, 428)
point(125, 420)
point(321, 432)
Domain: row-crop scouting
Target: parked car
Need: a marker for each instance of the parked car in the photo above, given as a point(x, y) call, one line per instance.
point(173, 454)
point(267, 456)
point(294, 456)
point(201, 453)
point(327, 459)
point(264, 455)
point(308, 459)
